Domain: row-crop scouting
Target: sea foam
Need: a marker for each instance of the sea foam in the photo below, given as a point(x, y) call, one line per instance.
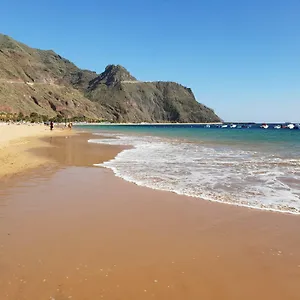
point(217, 173)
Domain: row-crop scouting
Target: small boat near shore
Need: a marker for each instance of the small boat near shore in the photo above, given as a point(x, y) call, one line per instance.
point(290, 126)
point(264, 126)
point(286, 126)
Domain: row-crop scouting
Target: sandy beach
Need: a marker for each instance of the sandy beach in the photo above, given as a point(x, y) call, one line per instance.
point(69, 230)
point(16, 140)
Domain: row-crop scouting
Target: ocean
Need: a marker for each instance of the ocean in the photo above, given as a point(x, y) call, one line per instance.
point(252, 167)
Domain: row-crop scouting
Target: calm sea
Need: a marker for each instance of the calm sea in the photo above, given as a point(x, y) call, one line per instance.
point(252, 167)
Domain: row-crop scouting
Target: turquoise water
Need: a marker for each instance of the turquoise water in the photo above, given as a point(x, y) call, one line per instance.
point(249, 136)
point(252, 167)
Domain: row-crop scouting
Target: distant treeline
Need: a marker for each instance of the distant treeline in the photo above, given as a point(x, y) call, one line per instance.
point(37, 118)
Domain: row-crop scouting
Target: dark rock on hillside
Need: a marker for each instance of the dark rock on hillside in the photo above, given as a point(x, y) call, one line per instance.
point(129, 100)
point(111, 76)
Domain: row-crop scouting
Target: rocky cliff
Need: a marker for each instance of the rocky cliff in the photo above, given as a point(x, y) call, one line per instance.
point(43, 82)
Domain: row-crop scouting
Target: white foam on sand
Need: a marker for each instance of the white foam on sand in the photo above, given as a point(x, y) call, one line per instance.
point(215, 173)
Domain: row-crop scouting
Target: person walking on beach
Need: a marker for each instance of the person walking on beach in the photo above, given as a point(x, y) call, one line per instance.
point(51, 125)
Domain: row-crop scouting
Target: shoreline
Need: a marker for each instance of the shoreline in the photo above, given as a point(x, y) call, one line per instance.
point(118, 168)
point(245, 206)
point(33, 137)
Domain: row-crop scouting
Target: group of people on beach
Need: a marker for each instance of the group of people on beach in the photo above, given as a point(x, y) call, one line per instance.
point(70, 125)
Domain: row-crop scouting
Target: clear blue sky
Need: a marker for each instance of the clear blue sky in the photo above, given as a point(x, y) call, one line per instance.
point(241, 58)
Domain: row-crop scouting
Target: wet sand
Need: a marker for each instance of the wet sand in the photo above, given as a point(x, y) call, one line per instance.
point(72, 231)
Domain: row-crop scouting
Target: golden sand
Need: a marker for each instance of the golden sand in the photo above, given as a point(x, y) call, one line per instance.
point(16, 140)
point(73, 231)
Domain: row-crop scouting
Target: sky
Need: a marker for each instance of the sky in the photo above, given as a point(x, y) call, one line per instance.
point(241, 58)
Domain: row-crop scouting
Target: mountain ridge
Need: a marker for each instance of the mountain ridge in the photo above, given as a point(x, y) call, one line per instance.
point(45, 83)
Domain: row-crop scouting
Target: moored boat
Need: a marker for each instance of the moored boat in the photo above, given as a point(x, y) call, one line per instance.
point(290, 126)
point(264, 126)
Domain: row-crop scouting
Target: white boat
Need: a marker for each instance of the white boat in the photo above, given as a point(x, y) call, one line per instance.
point(233, 126)
point(224, 126)
point(207, 126)
point(264, 126)
point(290, 126)
point(277, 126)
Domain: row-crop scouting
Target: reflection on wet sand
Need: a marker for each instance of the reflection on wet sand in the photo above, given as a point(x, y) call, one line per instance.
point(76, 151)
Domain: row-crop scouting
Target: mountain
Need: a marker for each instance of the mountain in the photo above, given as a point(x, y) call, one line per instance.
point(43, 82)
